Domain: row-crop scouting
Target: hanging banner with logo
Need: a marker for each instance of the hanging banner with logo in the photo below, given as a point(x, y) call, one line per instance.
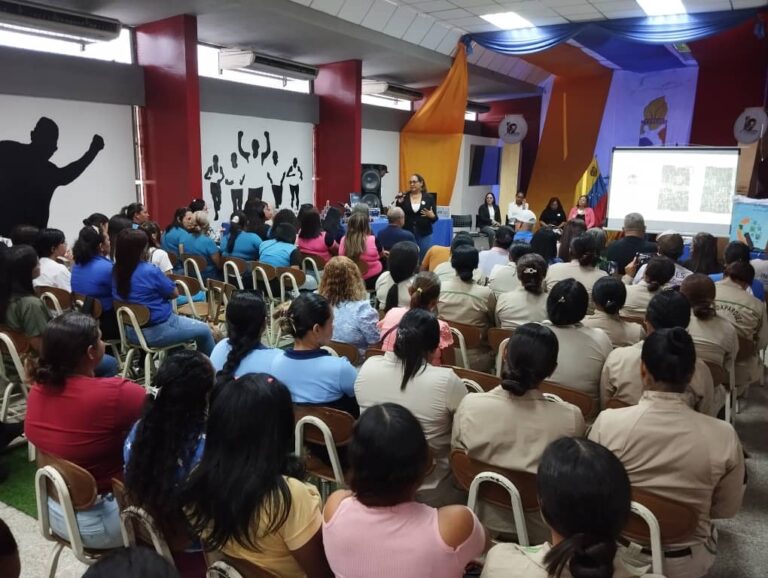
point(513, 128)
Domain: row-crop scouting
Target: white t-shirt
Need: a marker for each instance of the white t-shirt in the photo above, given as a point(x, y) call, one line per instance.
point(160, 259)
point(514, 210)
point(53, 274)
point(761, 271)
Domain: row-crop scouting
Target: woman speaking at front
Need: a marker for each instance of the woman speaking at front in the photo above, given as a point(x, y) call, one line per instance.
point(420, 212)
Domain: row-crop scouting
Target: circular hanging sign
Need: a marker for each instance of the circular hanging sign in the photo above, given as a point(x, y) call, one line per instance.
point(513, 128)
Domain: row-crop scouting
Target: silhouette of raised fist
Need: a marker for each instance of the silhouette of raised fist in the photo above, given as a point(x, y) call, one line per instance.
point(97, 143)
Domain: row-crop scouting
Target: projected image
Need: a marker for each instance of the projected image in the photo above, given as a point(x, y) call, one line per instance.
point(675, 188)
point(718, 190)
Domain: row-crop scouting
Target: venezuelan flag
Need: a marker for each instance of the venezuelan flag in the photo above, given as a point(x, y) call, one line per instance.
point(593, 186)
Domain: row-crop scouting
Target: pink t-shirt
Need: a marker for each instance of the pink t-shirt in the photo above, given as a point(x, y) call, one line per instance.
point(392, 320)
point(370, 256)
point(402, 541)
point(314, 246)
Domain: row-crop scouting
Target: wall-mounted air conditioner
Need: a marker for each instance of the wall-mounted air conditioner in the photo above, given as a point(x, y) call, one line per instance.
point(58, 21)
point(387, 89)
point(249, 61)
point(477, 107)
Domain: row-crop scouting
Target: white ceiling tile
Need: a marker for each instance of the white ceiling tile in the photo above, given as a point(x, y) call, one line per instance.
point(585, 17)
point(434, 6)
point(625, 13)
point(448, 43)
point(418, 28)
point(561, 3)
point(400, 21)
point(434, 36)
point(303, 2)
point(485, 8)
point(477, 53)
point(469, 21)
point(355, 10)
point(379, 14)
point(615, 5)
point(451, 14)
point(469, 3)
point(693, 6)
point(328, 6)
point(486, 58)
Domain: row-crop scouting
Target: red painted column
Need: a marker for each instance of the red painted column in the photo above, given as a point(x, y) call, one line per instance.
point(167, 49)
point(339, 132)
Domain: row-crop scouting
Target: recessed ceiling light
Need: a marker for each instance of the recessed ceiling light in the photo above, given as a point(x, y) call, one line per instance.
point(508, 20)
point(662, 7)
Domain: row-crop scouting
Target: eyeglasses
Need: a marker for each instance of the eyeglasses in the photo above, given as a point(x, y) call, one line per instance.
point(413, 182)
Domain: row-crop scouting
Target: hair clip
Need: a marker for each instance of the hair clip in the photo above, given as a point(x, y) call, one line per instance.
point(561, 300)
point(270, 379)
point(530, 270)
point(236, 219)
point(419, 290)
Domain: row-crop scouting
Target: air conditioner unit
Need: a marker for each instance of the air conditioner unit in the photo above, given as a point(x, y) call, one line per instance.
point(382, 88)
point(58, 21)
point(477, 107)
point(249, 61)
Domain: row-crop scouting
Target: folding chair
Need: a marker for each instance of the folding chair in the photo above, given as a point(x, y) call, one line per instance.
point(578, 398)
point(312, 264)
point(485, 381)
point(633, 319)
point(57, 300)
point(498, 339)
point(193, 265)
point(466, 337)
point(290, 276)
point(614, 403)
point(263, 274)
point(463, 223)
point(189, 287)
point(373, 352)
point(509, 489)
point(339, 349)
point(74, 489)
point(747, 350)
point(728, 379)
point(13, 345)
point(78, 301)
point(234, 271)
point(219, 295)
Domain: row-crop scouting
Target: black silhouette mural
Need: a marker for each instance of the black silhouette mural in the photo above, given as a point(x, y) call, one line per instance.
point(235, 180)
point(273, 174)
point(215, 174)
point(294, 174)
point(28, 178)
point(255, 174)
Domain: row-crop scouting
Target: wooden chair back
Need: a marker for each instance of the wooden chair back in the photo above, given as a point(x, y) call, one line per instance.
point(496, 335)
point(614, 403)
point(18, 339)
point(140, 312)
point(237, 268)
point(719, 375)
point(200, 261)
point(63, 299)
point(80, 483)
point(79, 301)
point(465, 469)
point(317, 260)
point(174, 259)
point(339, 422)
point(484, 380)
point(472, 335)
point(373, 352)
point(192, 284)
point(345, 350)
point(747, 349)
point(269, 271)
point(219, 295)
point(639, 319)
point(677, 521)
point(578, 398)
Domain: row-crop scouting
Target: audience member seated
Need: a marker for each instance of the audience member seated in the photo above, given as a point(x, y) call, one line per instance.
point(130, 563)
point(252, 503)
point(24, 235)
point(703, 257)
point(242, 351)
point(360, 245)
point(285, 216)
point(544, 242)
point(736, 251)
point(354, 320)
point(676, 453)
point(624, 250)
point(524, 225)
point(136, 213)
point(761, 271)
point(312, 374)
point(313, 240)
point(51, 247)
point(156, 255)
point(619, 378)
point(553, 216)
point(199, 243)
point(98, 220)
point(166, 444)
point(404, 376)
point(668, 244)
point(136, 281)
point(609, 295)
point(437, 254)
point(392, 285)
point(73, 415)
point(515, 208)
point(503, 278)
point(571, 230)
point(747, 313)
point(445, 269)
point(528, 300)
point(377, 528)
point(657, 276)
point(464, 301)
point(498, 254)
point(238, 241)
point(511, 425)
point(177, 231)
point(583, 350)
point(92, 276)
point(586, 518)
point(583, 212)
point(10, 562)
point(582, 267)
point(488, 218)
point(259, 215)
point(424, 293)
point(280, 250)
point(394, 233)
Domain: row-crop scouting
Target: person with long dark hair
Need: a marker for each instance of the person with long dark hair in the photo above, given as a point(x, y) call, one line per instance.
point(51, 247)
point(312, 239)
point(116, 224)
point(20, 308)
point(571, 230)
point(609, 295)
point(553, 216)
point(377, 528)
point(156, 254)
point(76, 416)
point(243, 351)
point(177, 230)
point(703, 257)
point(582, 267)
point(420, 211)
point(527, 302)
point(488, 218)
point(544, 242)
point(136, 281)
point(259, 215)
point(657, 276)
point(252, 503)
point(392, 285)
point(674, 452)
point(238, 241)
point(92, 275)
point(405, 376)
point(97, 220)
point(136, 213)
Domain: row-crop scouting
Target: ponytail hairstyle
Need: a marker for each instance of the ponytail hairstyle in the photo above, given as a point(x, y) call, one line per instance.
point(544, 242)
point(88, 244)
point(531, 358)
point(178, 219)
point(669, 356)
point(418, 336)
point(403, 263)
point(424, 290)
point(246, 314)
point(358, 231)
point(66, 340)
point(567, 302)
point(589, 516)
point(238, 222)
point(584, 250)
point(571, 230)
point(740, 272)
point(609, 294)
point(668, 308)
point(531, 271)
point(130, 211)
point(700, 291)
point(658, 272)
point(306, 311)
point(96, 220)
point(464, 260)
point(152, 229)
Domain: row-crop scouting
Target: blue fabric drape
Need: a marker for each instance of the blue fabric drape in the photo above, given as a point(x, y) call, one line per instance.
point(652, 30)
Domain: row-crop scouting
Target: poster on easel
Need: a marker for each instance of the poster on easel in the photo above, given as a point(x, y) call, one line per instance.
point(749, 222)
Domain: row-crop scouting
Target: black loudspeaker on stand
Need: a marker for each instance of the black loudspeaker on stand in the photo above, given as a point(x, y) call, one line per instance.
point(370, 183)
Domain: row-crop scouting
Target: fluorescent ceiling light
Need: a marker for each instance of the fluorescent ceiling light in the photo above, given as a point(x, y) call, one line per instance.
point(662, 7)
point(508, 20)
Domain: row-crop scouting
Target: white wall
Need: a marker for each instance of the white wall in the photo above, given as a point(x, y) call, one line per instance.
point(383, 147)
point(466, 199)
point(218, 135)
point(108, 183)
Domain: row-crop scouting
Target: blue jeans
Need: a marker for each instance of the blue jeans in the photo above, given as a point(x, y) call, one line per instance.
point(424, 244)
point(177, 329)
point(99, 525)
point(107, 367)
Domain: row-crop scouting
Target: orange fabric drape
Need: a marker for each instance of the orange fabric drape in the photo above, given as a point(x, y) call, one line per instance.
point(430, 144)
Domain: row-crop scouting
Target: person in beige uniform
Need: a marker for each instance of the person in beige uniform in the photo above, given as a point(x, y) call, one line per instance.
point(608, 295)
point(620, 378)
point(528, 301)
point(464, 301)
point(431, 393)
point(503, 278)
point(657, 275)
point(585, 516)
point(747, 313)
point(672, 451)
point(511, 425)
point(582, 266)
point(445, 270)
point(583, 350)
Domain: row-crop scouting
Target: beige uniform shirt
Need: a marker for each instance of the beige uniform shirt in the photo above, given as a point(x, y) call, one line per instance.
point(503, 278)
point(383, 285)
point(587, 276)
point(516, 307)
point(621, 333)
point(638, 298)
point(621, 379)
point(466, 303)
point(432, 396)
point(446, 271)
point(670, 450)
point(716, 340)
